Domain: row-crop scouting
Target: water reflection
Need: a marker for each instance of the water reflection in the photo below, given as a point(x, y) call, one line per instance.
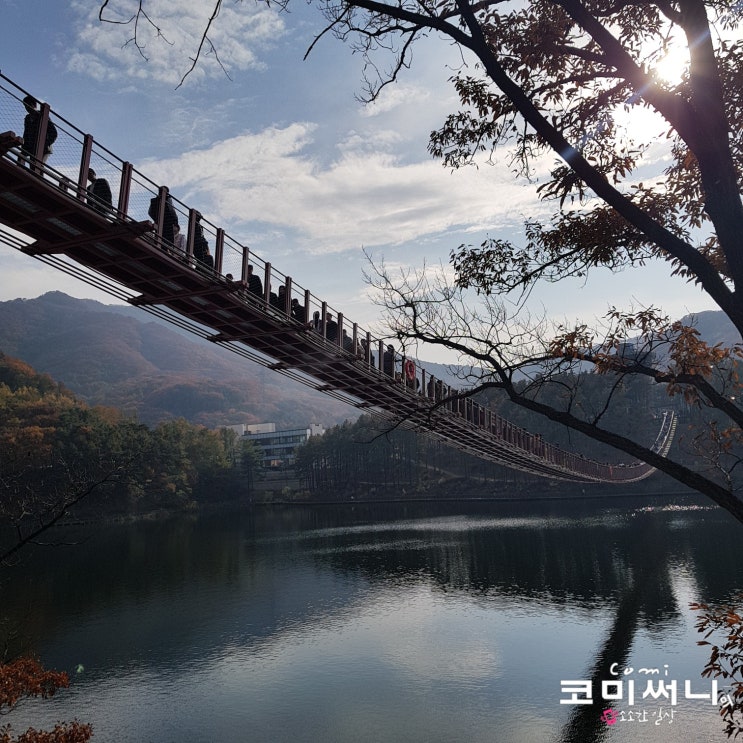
point(417, 625)
point(644, 596)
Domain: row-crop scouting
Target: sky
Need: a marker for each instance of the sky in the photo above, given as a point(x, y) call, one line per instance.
point(282, 153)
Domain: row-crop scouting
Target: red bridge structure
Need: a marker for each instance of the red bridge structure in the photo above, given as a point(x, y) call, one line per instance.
point(46, 212)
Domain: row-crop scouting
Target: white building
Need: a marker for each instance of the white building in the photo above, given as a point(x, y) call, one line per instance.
point(278, 447)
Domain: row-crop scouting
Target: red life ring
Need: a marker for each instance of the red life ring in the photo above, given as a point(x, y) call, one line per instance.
point(410, 370)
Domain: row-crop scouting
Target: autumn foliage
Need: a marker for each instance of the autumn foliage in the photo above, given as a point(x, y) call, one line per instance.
point(56, 450)
point(24, 678)
point(726, 658)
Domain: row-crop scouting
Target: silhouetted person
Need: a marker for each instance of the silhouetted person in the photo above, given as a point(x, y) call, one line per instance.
point(255, 285)
point(367, 355)
point(170, 220)
point(411, 377)
point(331, 328)
point(99, 193)
point(200, 245)
point(170, 217)
point(273, 299)
point(388, 361)
point(232, 285)
point(281, 299)
point(179, 242)
point(31, 126)
point(298, 311)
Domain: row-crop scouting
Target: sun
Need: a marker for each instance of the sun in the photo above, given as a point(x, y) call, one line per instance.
point(671, 66)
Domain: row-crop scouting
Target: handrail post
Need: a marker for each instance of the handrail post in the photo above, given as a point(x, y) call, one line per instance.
point(245, 264)
point(37, 163)
point(267, 283)
point(219, 251)
point(288, 296)
point(125, 189)
point(162, 196)
point(324, 319)
point(82, 176)
point(307, 301)
point(339, 332)
point(191, 235)
point(368, 349)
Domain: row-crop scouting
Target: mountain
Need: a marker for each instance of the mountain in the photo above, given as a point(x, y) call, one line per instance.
point(122, 357)
point(714, 327)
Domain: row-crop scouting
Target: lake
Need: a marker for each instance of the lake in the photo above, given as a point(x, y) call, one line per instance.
point(390, 622)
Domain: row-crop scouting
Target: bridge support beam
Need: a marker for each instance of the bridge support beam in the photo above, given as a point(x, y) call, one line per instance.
point(41, 247)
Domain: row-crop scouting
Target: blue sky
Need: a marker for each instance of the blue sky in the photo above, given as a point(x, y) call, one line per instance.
point(283, 155)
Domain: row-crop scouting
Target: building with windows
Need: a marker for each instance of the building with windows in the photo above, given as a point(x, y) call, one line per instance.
point(278, 447)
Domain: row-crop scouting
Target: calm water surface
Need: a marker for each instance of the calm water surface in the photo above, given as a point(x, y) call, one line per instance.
point(387, 623)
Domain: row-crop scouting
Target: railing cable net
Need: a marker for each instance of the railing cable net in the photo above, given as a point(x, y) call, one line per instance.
point(386, 383)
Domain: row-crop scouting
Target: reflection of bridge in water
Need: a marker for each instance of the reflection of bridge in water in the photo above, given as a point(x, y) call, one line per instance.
point(46, 212)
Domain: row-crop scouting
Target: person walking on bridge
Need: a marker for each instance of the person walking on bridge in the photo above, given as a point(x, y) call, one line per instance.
point(255, 285)
point(201, 245)
point(31, 126)
point(388, 361)
point(99, 193)
point(170, 219)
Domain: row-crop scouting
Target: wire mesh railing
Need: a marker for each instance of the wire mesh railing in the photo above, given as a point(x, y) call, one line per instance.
point(56, 150)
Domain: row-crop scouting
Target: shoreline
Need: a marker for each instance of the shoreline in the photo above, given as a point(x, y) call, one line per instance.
point(242, 505)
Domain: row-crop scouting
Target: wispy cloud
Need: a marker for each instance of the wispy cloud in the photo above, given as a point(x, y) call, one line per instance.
point(169, 37)
point(396, 96)
point(365, 196)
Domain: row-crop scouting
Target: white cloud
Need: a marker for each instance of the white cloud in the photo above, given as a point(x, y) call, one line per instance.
point(364, 197)
point(169, 36)
point(395, 96)
point(377, 139)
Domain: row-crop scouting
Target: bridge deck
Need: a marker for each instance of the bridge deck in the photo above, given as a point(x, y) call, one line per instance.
point(124, 257)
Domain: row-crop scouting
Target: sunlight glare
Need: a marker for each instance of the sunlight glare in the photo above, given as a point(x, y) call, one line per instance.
point(670, 68)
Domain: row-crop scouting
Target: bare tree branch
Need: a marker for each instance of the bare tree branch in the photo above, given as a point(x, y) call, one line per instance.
point(203, 42)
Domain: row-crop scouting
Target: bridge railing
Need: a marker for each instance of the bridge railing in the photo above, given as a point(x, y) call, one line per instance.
point(73, 153)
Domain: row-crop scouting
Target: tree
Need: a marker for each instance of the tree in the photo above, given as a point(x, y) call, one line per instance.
point(554, 77)
point(724, 624)
point(540, 79)
point(26, 677)
point(249, 463)
point(56, 453)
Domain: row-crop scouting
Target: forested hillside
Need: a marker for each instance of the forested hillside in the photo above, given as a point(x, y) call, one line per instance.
point(59, 453)
point(122, 357)
point(365, 460)
point(367, 457)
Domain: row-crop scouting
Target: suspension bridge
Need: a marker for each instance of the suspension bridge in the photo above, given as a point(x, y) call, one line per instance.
point(123, 248)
